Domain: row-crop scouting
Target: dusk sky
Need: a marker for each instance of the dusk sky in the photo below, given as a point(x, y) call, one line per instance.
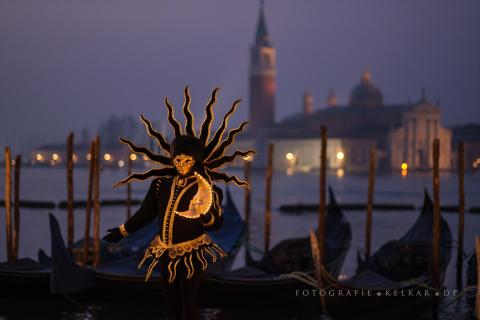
point(69, 64)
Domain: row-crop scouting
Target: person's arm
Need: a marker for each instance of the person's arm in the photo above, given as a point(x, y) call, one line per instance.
point(213, 219)
point(144, 215)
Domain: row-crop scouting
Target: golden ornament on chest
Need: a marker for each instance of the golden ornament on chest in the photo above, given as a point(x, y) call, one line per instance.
point(201, 202)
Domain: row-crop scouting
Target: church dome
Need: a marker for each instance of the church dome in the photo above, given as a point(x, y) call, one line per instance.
point(366, 94)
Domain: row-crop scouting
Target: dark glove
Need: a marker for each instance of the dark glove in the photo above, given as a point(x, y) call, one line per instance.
point(114, 235)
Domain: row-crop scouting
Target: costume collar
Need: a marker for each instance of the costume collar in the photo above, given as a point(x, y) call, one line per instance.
point(182, 181)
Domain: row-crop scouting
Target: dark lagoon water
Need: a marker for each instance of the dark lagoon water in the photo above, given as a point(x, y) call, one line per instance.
point(49, 184)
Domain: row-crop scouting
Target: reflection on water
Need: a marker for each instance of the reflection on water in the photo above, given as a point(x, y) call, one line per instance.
point(288, 188)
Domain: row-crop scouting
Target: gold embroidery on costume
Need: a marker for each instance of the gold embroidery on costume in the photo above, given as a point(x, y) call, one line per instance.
point(169, 270)
point(210, 252)
point(210, 222)
point(189, 270)
point(182, 251)
point(170, 199)
point(201, 202)
point(189, 264)
point(219, 250)
point(172, 276)
point(150, 269)
point(204, 263)
point(174, 210)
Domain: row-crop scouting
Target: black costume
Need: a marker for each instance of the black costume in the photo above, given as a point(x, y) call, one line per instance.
point(186, 201)
point(184, 238)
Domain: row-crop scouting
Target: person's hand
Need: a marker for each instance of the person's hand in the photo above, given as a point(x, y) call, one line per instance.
point(113, 235)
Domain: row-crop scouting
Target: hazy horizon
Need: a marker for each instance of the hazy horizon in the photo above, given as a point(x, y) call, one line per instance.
point(66, 65)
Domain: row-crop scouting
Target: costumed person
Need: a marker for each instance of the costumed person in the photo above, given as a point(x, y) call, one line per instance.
point(183, 196)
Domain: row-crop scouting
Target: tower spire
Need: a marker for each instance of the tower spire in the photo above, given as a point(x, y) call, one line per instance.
point(262, 38)
point(366, 75)
point(424, 95)
point(262, 76)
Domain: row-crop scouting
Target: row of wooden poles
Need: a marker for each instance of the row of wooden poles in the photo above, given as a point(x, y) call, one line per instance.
point(93, 201)
point(318, 243)
point(93, 197)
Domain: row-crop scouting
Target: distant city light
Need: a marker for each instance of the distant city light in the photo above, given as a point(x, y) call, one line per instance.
point(89, 156)
point(121, 163)
point(145, 157)
point(133, 156)
point(404, 166)
point(342, 277)
point(39, 157)
point(55, 157)
point(404, 173)
point(476, 163)
point(289, 156)
point(340, 155)
point(75, 158)
point(107, 157)
point(340, 173)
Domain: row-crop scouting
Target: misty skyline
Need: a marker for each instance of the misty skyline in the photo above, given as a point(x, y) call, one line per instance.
point(66, 65)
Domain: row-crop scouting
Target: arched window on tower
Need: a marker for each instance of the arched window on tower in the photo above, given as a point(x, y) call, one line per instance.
point(267, 61)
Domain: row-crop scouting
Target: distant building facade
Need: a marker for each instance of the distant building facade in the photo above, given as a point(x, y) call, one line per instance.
point(402, 133)
point(412, 141)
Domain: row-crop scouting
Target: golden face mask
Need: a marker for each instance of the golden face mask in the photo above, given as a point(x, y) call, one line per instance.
point(183, 163)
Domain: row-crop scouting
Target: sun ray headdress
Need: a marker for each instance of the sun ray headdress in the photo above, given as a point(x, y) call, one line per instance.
point(212, 156)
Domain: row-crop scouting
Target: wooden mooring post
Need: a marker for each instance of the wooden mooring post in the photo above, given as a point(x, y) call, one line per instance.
point(371, 188)
point(70, 218)
point(323, 191)
point(8, 203)
point(247, 200)
point(436, 223)
point(88, 213)
point(316, 255)
point(16, 206)
point(268, 198)
point(96, 203)
point(461, 212)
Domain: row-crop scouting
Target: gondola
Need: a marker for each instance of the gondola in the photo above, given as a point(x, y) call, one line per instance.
point(121, 279)
point(60, 274)
point(295, 254)
point(26, 278)
point(396, 281)
point(276, 278)
point(24, 273)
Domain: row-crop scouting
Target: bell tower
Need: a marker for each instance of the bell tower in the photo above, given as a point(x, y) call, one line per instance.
point(262, 77)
